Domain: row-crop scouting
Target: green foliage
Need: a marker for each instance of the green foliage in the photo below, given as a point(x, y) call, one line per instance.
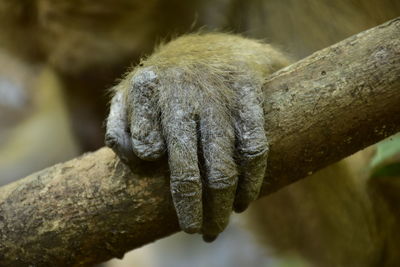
point(386, 162)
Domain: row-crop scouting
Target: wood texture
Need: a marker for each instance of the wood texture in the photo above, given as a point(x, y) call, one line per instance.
point(318, 110)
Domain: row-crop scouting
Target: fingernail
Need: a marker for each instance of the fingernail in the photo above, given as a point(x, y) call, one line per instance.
point(240, 207)
point(209, 238)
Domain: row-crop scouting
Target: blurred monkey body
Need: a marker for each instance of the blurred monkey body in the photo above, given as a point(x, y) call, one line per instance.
point(334, 218)
point(32, 99)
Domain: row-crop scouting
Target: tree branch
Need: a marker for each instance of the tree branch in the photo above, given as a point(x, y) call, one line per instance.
point(319, 110)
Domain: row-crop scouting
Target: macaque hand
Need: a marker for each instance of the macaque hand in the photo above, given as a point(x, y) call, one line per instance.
point(199, 99)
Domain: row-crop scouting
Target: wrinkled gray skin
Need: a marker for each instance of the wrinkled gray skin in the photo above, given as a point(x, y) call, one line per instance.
point(203, 104)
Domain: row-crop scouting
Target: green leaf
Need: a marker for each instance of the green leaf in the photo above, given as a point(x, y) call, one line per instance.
point(391, 170)
point(386, 150)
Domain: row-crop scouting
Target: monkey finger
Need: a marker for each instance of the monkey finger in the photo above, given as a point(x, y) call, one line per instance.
point(220, 174)
point(147, 140)
point(186, 187)
point(252, 148)
point(117, 135)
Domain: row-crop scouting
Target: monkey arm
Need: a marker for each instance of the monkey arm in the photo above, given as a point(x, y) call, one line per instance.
point(199, 98)
point(320, 109)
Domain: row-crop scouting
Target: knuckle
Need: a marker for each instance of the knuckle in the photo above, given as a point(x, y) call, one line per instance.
point(188, 186)
point(148, 150)
point(222, 180)
point(254, 148)
point(253, 152)
point(145, 129)
point(145, 78)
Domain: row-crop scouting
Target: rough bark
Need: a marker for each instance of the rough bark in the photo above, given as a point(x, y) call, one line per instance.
point(93, 208)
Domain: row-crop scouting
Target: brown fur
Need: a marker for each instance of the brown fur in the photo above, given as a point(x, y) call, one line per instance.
point(332, 218)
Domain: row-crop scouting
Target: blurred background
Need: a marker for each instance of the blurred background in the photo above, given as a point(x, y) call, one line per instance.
point(58, 58)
